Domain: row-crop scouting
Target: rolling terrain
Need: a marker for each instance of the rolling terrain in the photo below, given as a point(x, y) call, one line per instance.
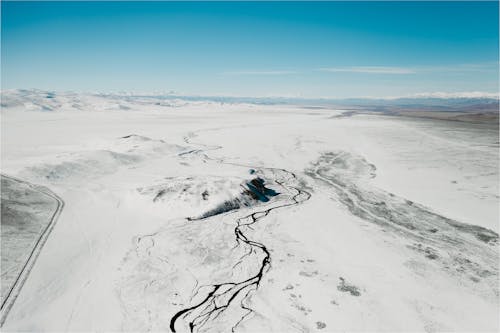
point(217, 216)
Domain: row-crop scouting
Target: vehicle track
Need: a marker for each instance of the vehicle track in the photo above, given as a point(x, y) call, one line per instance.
point(14, 291)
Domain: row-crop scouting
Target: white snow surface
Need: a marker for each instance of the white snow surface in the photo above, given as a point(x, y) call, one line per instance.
point(361, 254)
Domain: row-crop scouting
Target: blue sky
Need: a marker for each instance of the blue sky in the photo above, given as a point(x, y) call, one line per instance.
point(320, 49)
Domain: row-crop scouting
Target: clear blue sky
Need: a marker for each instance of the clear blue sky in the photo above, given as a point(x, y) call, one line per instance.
point(329, 49)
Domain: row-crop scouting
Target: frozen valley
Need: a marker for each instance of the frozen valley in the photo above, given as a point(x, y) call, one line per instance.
point(205, 216)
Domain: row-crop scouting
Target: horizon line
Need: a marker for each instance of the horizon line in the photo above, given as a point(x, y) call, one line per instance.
point(173, 93)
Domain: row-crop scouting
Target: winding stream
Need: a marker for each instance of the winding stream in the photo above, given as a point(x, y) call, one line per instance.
point(221, 296)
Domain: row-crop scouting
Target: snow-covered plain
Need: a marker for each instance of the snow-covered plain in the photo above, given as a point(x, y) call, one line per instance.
point(171, 221)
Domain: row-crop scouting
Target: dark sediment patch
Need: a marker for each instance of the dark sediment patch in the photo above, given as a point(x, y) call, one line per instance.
point(460, 249)
point(158, 195)
point(205, 195)
point(348, 288)
point(320, 325)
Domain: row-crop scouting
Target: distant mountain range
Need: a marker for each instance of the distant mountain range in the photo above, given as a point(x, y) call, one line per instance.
point(50, 100)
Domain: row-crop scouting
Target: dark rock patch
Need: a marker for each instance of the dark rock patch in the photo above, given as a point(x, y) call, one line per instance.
point(348, 288)
point(320, 325)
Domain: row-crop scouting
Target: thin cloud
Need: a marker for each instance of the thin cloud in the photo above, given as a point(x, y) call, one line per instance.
point(260, 73)
point(370, 70)
point(464, 94)
point(459, 68)
point(462, 68)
